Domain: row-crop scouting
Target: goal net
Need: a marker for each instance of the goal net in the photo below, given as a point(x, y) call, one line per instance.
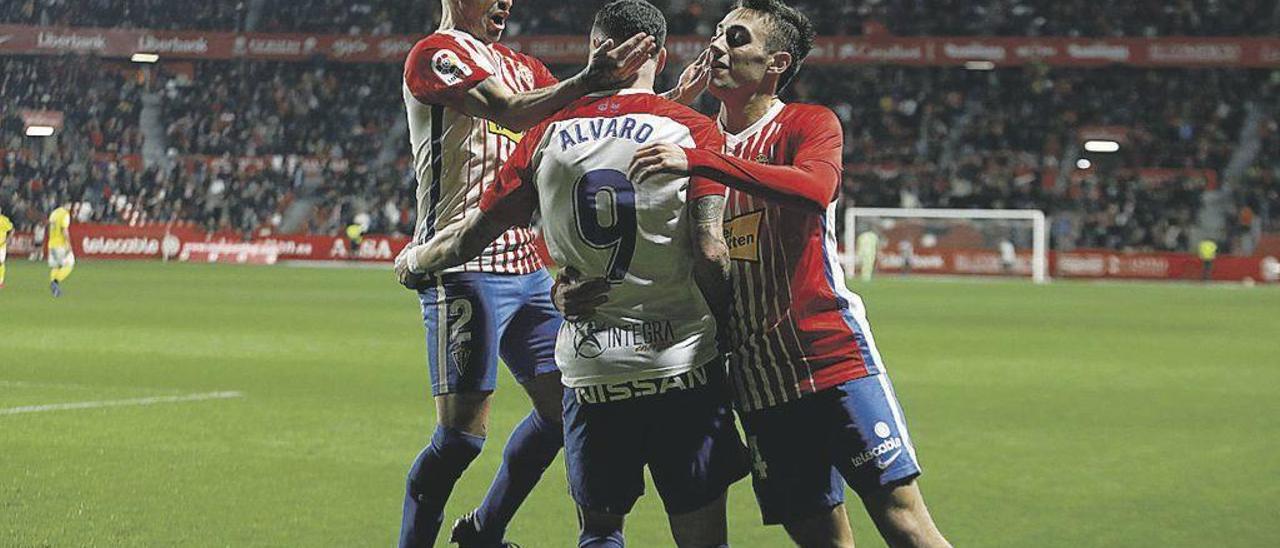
point(966, 242)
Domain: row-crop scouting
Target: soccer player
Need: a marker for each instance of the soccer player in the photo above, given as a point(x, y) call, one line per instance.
point(868, 245)
point(61, 258)
point(645, 377)
point(1008, 255)
point(467, 98)
point(809, 382)
point(6, 226)
point(355, 237)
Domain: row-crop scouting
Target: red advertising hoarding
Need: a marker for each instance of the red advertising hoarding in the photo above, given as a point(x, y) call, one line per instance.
point(157, 241)
point(829, 50)
point(1087, 264)
point(95, 241)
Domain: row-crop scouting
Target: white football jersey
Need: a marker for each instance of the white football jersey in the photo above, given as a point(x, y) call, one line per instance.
point(636, 234)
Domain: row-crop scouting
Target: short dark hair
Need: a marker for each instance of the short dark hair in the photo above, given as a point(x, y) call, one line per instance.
point(789, 31)
point(622, 19)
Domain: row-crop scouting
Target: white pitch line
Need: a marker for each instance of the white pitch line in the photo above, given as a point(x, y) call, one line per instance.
point(120, 403)
point(70, 386)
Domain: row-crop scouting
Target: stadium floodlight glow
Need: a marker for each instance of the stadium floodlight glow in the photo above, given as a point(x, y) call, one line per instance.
point(39, 131)
point(979, 65)
point(1084, 163)
point(1101, 146)
point(145, 58)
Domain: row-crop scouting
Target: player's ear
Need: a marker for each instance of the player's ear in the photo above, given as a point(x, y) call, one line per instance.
point(662, 60)
point(779, 62)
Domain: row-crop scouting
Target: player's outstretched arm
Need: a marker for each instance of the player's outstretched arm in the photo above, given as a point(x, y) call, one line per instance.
point(711, 260)
point(608, 68)
point(810, 182)
point(461, 242)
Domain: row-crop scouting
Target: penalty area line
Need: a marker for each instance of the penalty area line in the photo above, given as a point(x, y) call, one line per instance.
point(154, 400)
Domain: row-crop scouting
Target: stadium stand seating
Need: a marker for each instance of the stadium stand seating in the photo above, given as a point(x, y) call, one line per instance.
point(915, 137)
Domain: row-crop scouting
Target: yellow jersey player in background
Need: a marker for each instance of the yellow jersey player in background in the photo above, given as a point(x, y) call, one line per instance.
point(5, 227)
point(61, 259)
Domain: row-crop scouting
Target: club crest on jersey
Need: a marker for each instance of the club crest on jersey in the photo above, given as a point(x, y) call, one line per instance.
point(742, 234)
point(762, 158)
point(449, 68)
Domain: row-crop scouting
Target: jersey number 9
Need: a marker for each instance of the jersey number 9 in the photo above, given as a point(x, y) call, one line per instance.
point(605, 211)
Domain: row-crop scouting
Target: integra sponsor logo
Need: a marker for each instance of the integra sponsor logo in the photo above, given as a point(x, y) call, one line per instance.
point(590, 339)
point(120, 246)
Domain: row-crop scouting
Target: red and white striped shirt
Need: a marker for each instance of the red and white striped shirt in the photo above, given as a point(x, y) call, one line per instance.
point(457, 156)
point(796, 328)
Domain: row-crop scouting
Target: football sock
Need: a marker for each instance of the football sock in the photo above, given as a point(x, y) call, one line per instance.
point(431, 479)
point(595, 540)
point(59, 274)
point(533, 445)
point(1, 273)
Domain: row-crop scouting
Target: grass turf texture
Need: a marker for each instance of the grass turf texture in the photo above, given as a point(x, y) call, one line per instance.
point(1067, 415)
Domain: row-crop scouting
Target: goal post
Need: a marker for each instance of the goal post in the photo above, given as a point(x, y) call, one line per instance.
point(982, 222)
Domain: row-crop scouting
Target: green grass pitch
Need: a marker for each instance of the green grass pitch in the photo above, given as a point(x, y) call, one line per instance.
point(1067, 415)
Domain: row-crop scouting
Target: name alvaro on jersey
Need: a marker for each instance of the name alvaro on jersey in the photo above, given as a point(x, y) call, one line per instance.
point(622, 127)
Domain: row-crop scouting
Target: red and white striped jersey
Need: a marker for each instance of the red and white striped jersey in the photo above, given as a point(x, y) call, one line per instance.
point(457, 156)
point(796, 328)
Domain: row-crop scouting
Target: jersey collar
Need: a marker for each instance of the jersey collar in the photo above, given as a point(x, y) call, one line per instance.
point(769, 115)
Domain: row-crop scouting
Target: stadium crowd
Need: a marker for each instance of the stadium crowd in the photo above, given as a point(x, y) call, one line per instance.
point(843, 17)
point(915, 137)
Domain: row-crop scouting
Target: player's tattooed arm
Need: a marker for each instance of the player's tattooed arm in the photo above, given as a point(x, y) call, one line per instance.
point(607, 68)
point(711, 260)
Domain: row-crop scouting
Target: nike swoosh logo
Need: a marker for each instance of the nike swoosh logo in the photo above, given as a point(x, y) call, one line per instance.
point(5, 38)
point(882, 464)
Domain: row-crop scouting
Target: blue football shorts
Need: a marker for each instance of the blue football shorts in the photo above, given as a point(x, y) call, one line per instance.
point(473, 318)
point(687, 437)
point(802, 449)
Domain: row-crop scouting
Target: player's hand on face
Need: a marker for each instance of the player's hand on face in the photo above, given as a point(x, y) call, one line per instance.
point(404, 270)
point(576, 296)
point(693, 81)
point(658, 158)
point(610, 65)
